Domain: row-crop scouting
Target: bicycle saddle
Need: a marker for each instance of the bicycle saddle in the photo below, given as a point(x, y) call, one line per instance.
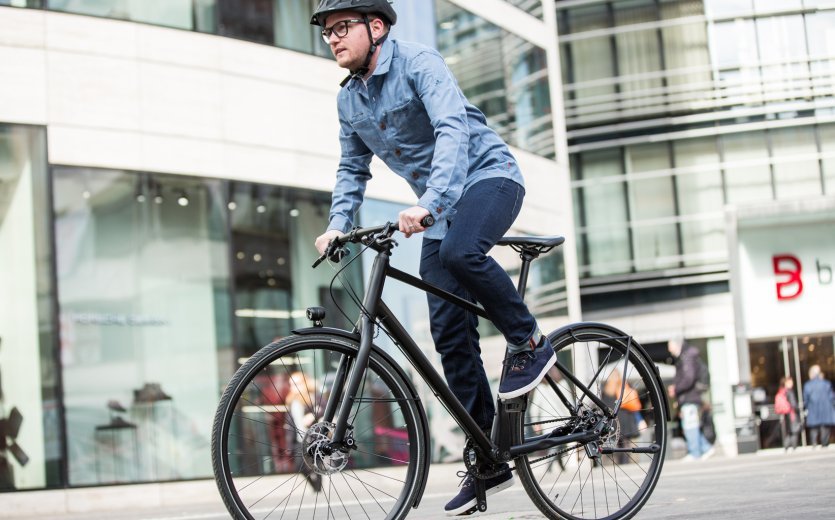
point(536, 242)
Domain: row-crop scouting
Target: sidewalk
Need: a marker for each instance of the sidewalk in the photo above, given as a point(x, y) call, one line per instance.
point(170, 501)
point(442, 481)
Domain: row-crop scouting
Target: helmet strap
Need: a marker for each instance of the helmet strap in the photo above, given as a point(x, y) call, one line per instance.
point(363, 70)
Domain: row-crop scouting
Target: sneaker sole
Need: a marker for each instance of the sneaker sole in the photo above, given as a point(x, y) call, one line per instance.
point(492, 491)
point(530, 386)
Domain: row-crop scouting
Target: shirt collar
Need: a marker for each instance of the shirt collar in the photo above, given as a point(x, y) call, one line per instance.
point(384, 58)
point(383, 63)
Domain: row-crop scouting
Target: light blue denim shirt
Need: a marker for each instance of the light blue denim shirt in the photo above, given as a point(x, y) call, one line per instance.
point(412, 115)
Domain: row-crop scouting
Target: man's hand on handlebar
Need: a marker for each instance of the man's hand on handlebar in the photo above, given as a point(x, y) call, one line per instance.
point(409, 220)
point(324, 239)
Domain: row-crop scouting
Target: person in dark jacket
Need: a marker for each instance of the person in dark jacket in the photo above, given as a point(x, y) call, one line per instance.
point(818, 399)
point(688, 394)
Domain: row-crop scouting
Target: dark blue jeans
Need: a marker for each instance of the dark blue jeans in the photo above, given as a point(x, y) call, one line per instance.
point(459, 264)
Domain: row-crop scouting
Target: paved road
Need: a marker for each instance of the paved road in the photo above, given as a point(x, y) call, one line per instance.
point(765, 486)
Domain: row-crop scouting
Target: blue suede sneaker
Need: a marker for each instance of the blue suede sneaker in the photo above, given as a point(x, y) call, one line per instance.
point(465, 502)
point(524, 370)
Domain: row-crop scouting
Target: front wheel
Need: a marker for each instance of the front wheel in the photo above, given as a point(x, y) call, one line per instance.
point(270, 440)
point(612, 477)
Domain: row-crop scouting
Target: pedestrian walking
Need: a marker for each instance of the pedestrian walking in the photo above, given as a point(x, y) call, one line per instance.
point(687, 389)
point(785, 405)
point(818, 399)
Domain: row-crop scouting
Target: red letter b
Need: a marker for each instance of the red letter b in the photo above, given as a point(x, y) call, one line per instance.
point(780, 263)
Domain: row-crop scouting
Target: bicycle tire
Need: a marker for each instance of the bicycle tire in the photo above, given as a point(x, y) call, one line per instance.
point(612, 485)
point(387, 424)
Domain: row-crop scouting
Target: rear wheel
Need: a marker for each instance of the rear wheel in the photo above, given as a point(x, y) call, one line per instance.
point(270, 440)
point(611, 478)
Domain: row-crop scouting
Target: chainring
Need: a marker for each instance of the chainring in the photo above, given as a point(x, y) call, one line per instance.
point(479, 470)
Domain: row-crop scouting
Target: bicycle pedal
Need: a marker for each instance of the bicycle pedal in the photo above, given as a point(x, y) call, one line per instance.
point(469, 511)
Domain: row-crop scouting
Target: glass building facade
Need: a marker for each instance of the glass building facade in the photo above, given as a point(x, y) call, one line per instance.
point(139, 292)
point(679, 113)
point(677, 108)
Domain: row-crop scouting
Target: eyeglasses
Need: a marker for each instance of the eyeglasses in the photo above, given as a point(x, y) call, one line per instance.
point(340, 29)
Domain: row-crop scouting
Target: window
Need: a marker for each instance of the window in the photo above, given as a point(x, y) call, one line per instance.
point(727, 7)
point(827, 140)
point(796, 171)
point(652, 205)
point(30, 425)
point(605, 215)
point(170, 13)
point(747, 174)
point(505, 76)
point(700, 200)
point(251, 20)
point(143, 292)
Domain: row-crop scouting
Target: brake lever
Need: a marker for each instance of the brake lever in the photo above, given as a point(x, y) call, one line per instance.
point(334, 252)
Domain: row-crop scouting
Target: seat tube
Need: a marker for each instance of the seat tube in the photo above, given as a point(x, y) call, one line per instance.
point(372, 297)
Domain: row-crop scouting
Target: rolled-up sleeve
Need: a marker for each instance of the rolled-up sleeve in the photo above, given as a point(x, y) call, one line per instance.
point(437, 89)
point(351, 177)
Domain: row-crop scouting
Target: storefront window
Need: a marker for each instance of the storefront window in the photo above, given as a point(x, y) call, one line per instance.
point(30, 448)
point(143, 276)
point(273, 229)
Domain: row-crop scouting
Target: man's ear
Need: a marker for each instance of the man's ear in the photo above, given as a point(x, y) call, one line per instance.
point(378, 27)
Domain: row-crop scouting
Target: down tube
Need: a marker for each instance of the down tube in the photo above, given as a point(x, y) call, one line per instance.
point(433, 379)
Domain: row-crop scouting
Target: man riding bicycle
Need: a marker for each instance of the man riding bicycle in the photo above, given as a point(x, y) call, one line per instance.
point(402, 104)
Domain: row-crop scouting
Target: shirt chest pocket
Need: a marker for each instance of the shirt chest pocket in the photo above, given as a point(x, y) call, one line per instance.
point(410, 117)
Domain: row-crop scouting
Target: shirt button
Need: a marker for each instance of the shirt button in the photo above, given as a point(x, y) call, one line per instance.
point(382, 126)
point(415, 175)
point(439, 209)
point(397, 152)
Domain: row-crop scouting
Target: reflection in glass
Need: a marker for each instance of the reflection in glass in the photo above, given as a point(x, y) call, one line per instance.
point(505, 76)
point(170, 13)
point(30, 445)
point(533, 7)
point(250, 20)
point(142, 283)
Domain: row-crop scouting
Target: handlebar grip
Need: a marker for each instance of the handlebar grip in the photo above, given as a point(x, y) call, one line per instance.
point(427, 221)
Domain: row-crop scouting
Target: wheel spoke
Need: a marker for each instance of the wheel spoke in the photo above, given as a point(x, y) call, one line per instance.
point(265, 458)
point(611, 477)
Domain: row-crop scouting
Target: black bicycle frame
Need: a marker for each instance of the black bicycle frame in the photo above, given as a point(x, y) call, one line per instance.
point(375, 310)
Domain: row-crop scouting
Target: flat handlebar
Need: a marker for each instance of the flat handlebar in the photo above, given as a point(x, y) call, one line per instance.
point(335, 251)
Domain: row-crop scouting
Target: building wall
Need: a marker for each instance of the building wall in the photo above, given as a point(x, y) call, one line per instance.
point(128, 113)
point(680, 113)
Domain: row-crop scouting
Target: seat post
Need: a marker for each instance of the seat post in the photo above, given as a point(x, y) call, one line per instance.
point(527, 257)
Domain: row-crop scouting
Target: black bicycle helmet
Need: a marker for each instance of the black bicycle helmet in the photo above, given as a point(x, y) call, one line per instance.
point(382, 8)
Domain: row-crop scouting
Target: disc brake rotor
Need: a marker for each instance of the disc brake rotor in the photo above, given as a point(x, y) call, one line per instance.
point(317, 452)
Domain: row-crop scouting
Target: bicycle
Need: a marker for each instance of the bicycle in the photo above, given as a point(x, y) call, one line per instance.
point(361, 438)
